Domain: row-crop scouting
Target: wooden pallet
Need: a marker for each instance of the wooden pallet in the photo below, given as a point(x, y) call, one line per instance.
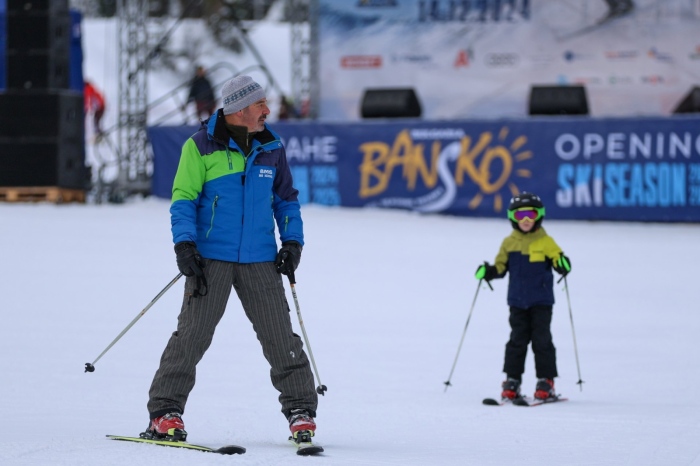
point(41, 193)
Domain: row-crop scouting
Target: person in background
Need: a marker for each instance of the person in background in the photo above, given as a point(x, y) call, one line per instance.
point(286, 109)
point(618, 8)
point(95, 104)
point(528, 255)
point(232, 185)
point(202, 94)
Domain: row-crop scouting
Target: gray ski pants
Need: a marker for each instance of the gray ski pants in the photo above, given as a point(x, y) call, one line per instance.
point(261, 291)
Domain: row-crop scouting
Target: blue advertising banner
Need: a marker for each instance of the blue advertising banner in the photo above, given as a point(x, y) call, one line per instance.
point(167, 142)
point(594, 169)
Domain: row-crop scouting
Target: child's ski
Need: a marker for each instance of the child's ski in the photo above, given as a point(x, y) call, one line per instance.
point(521, 401)
point(538, 402)
point(501, 402)
point(495, 402)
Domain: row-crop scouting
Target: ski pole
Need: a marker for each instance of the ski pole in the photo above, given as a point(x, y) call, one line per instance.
point(459, 349)
point(90, 367)
point(321, 389)
point(573, 332)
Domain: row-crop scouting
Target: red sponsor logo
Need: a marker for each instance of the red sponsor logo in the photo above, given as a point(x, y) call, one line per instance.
point(463, 59)
point(361, 61)
point(621, 54)
point(653, 79)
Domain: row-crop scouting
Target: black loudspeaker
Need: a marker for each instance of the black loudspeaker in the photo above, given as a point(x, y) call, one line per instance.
point(42, 139)
point(42, 162)
point(38, 31)
point(390, 103)
point(558, 100)
point(26, 6)
point(690, 103)
point(46, 114)
point(37, 70)
point(38, 50)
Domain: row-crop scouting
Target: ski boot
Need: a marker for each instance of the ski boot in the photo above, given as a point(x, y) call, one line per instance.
point(302, 425)
point(545, 389)
point(166, 427)
point(511, 389)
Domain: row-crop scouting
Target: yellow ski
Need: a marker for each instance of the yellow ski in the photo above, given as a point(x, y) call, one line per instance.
point(225, 450)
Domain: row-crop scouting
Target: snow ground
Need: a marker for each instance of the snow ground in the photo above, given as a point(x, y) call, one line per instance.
point(384, 296)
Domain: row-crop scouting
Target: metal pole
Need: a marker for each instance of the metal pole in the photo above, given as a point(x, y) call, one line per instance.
point(91, 367)
point(573, 332)
point(447, 383)
point(321, 389)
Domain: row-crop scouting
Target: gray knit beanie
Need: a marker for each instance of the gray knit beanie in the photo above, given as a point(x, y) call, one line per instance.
point(240, 92)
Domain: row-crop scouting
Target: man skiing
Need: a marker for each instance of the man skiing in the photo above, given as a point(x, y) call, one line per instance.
point(232, 186)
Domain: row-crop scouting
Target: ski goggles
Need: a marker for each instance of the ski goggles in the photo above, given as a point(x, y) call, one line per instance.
point(533, 213)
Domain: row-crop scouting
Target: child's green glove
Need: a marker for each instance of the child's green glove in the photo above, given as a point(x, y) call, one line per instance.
point(562, 265)
point(486, 272)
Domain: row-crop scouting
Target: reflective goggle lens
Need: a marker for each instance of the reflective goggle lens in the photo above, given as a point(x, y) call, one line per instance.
point(523, 214)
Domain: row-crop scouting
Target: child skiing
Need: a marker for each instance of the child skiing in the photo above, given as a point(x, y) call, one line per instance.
point(529, 255)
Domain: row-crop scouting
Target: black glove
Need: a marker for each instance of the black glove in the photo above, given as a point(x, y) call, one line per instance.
point(189, 261)
point(486, 272)
point(562, 265)
point(288, 257)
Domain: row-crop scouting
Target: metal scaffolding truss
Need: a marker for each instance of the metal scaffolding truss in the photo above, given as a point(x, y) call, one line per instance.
point(134, 153)
point(134, 161)
point(300, 51)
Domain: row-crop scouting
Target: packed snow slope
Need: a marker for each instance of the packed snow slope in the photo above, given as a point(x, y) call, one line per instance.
point(384, 297)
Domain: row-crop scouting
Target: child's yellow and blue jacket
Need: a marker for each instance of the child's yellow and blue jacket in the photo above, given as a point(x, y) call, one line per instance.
point(227, 202)
point(528, 257)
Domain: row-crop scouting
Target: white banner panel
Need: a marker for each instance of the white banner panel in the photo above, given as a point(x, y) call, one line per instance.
point(479, 58)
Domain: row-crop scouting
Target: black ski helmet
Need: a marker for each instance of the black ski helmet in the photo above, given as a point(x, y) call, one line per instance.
point(526, 199)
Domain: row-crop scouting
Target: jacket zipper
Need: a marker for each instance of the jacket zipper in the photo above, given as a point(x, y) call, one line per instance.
point(213, 213)
point(228, 156)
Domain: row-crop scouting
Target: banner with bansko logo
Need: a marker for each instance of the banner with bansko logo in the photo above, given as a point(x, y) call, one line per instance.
point(645, 169)
point(608, 169)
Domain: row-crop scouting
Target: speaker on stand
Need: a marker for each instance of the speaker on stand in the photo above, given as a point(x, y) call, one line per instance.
point(558, 100)
point(390, 103)
point(690, 103)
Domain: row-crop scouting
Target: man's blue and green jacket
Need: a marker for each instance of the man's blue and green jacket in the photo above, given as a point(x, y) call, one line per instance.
point(228, 202)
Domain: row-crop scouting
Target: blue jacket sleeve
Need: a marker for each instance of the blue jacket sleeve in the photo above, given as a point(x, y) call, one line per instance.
point(286, 207)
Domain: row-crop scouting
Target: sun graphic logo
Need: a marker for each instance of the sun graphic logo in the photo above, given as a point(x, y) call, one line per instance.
point(447, 162)
point(496, 170)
